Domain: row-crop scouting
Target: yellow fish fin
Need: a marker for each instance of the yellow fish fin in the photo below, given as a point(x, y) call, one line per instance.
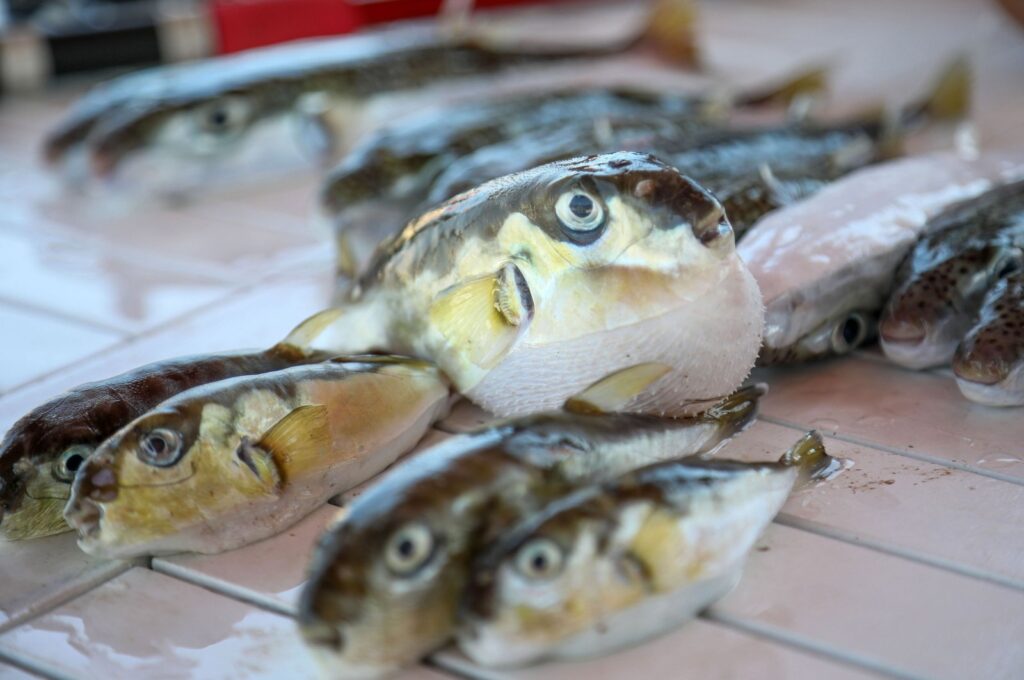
point(484, 317)
point(809, 83)
point(671, 29)
point(303, 335)
point(810, 456)
point(615, 390)
point(262, 465)
point(300, 440)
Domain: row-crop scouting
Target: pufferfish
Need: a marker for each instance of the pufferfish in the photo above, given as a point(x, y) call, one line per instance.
point(532, 286)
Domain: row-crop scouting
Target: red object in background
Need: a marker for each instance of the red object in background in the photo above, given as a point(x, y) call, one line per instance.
point(244, 24)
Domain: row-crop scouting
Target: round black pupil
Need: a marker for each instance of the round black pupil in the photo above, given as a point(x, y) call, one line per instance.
point(218, 118)
point(851, 329)
point(74, 462)
point(581, 206)
point(540, 562)
point(405, 548)
point(156, 444)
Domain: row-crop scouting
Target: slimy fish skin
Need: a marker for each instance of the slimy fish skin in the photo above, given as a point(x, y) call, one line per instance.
point(826, 263)
point(203, 114)
point(396, 171)
point(41, 452)
point(942, 283)
point(609, 565)
point(989, 363)
point(225, 464)
point(530, 287)
point(385, 580)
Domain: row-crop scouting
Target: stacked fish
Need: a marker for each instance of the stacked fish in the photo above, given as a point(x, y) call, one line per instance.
point(513, 253)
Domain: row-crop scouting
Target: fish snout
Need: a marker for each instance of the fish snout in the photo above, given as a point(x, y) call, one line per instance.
point(96, 479)
point(906, 331)
point(688, 204)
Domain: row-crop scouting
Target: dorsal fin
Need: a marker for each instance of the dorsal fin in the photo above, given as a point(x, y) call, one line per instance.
point(612, 392)
point(303, 335)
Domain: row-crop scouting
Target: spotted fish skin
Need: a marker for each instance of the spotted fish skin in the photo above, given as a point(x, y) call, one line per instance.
point(943, 281)
point(989, 363)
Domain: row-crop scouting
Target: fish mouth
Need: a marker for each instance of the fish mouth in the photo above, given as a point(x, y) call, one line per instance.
point(902, 331)
point(85, 516)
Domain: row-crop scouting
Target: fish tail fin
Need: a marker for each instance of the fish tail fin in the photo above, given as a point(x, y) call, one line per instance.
point(614, 391)
point(810, 456)
point(672, 30)
point(807, 83)
point(738, 410)
point(949, 98)
point(303, 335)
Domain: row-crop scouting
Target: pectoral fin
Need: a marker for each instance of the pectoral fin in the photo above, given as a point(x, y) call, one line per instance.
point(298, 441)
point(262, 465)
point(483, 317)
point(614, 391)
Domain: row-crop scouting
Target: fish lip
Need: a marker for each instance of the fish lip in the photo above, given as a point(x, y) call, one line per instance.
point(86, 517)
point(904, 332)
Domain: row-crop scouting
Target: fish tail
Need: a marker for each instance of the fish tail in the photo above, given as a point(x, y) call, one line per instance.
point(810, 82)
point(810, 456)
point(738, 410)
point(948, 100)
point(671, 30)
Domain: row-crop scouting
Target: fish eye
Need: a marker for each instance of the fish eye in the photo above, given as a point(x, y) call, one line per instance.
point(160, 447)
point(539, 559)
point(70, 461)
point(408, 549)
point(581, 215)
point(849, 333)
point(222, 117)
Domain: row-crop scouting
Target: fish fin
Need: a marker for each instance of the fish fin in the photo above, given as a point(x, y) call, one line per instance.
point(615, 390)
point(483, 317)
point(299, 439)
point(810, 456)
point(810, 83)
point(303, 335)
point(262, 465)
point(949, 98)
point(345, 264)
point(737, 410)
point(671, 29)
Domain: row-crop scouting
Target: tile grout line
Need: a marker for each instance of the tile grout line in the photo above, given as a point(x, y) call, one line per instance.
point(65, 316)
point(224, 588)
point(86, 586)
point(125, 341)
point(836, 534)
point(32, 666)
point(796, 641)
point(922, 457)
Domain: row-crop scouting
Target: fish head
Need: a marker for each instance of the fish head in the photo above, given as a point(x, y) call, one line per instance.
point(166, 473)
point(927, 316)
point(39, 457)
point(384, 581)
point(989, 362)
point(547, 578)
point(576, 252)
point(840, 333)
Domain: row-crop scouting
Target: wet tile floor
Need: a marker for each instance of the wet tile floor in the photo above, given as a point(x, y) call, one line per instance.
point(909, 564)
